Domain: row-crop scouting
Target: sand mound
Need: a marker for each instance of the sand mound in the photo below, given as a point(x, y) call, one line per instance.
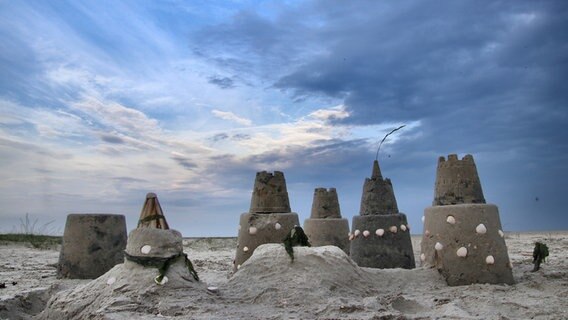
point(315, 274)
point(129, 289)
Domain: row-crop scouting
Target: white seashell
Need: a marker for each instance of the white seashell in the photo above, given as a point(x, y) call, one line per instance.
point(277, 226)
point(501, 233)
point(238, 267)
point(451, 220)
point(246, 249)
point(423, 218)
point(111, 280)
point(366, 233)
point(481, 229)
point(357, 232)
point(439, 246)
point(351, 237)
point(380, 232)
point(145, 249)
point(252, 230)
point(402, 227)
point(212, 289)
point(393, 229)
point(422, 257)
point(462, 252)
point(164, 280)
point(490, 260)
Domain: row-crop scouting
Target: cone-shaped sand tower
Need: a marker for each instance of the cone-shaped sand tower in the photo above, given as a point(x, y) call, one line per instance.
point(463, 237)
point(325, 225)
point(152, 215)
point(154, 244)
point(269, 219)
point(381, 236)
point(92, 245)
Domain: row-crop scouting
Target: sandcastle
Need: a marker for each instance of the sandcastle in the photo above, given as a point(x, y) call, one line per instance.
point(153, 272)
point(92, 244)
point(269, 219)
point(463, 237)
point(325, 225)
point(381, 235)
point(154, 244)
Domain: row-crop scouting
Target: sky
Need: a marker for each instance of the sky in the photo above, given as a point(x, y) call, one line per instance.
point(102, 102)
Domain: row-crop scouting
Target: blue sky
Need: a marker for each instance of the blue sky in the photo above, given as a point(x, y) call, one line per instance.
point(104, 101)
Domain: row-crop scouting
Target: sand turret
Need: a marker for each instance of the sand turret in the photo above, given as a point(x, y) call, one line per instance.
point(457, 182)
point(378, 195)
point(269, 218)
point(325, 225)
point(92, 244)
point(463, 237)
point(269, 193)
point(154, 244)
point(152, 215)
point(380, 235)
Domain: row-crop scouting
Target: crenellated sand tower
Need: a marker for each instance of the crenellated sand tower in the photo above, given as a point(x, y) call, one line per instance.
point(325, 225)
point(381, 236)
point(457, 182)
point(463, 237)
point(269, 219)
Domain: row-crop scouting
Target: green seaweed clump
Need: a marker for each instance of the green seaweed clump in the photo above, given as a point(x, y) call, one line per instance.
point(540, 253)
point(295, 238)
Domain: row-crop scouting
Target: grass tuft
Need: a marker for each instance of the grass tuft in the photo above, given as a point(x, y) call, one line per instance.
point(32, 235)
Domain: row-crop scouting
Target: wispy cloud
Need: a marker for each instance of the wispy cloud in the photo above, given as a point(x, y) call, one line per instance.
point(229, 116)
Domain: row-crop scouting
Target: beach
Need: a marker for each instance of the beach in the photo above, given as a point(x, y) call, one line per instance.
point(299, 291)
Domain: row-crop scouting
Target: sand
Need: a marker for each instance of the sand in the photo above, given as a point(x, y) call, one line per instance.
point(322, 283)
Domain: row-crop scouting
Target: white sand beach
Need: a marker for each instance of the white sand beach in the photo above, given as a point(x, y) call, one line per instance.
point(320, 284)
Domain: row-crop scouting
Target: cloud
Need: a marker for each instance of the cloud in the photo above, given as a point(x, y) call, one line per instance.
point(183, 160)
point(222, 82)
point(219, 137)
point(241, 136)
point(332, 114)
point(229, 116)
point(112, 139)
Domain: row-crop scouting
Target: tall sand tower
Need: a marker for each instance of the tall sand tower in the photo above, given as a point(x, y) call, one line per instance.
point(325, 225)
point(269, 219)
point(463, 237)
point(381, 236)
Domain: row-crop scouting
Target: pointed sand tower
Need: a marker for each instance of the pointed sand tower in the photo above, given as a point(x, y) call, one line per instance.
point(152, 215)
point(381, 236)
point(153, 243)
point(325, 225)
point(269, 219)
point(463, 237)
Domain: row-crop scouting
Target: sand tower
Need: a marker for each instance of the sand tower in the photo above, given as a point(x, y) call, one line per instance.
point(463, 237)
point(152, 215)
point(381, 236)
point(269, 219)
point(154, 244)
point(325, 225)
point(92, 245)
